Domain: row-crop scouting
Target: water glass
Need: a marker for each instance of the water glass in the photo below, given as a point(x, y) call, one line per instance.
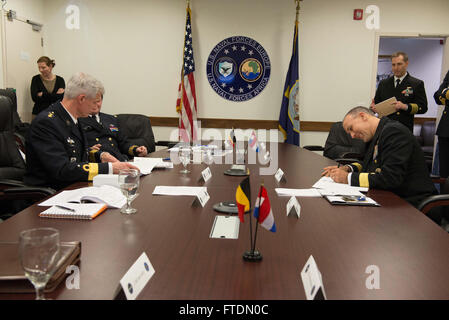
point(39, 254)
point(129, 184)
point(184, 157)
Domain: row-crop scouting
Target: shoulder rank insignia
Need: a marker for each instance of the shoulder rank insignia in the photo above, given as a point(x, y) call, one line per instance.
point(113, 128)
point(51, 114)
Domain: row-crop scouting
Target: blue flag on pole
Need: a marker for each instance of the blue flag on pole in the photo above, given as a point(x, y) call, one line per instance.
point(289, 116)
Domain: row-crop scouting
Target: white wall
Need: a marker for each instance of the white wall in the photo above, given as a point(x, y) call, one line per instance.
point(135, 48)
point(25, 9)
point(425, 58)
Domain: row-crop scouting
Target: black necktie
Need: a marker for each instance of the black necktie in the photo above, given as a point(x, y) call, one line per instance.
point(398, 81)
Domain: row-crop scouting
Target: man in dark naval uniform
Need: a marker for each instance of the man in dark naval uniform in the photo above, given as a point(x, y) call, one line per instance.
point(104, 135)
point(57, 150)
point(441, 96)
point(409, 92)
point(393, 161)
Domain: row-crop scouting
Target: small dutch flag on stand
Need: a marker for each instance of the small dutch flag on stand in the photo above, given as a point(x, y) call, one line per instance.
point(263, 212)
point(252, 142)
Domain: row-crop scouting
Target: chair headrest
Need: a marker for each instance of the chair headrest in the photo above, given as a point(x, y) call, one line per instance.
point(11, 94)
point(6, 119)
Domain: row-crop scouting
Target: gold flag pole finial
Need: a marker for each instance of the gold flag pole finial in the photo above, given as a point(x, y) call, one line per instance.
point(297, 8)
point(188, 3)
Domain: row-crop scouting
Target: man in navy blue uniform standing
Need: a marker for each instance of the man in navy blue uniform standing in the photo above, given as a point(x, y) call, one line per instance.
point(409, 92)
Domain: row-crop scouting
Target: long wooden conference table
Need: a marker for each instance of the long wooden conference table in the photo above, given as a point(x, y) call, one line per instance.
point(410, 251)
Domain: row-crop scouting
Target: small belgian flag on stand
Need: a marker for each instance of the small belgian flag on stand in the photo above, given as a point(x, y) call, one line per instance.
point(243, 198)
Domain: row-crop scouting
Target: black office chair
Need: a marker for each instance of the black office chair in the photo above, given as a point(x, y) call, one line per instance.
point(426, 140)
point(344, 157)
point(137, 128)
point(20, 128)
point(441, 200)
point(340, 146)
point(14, 194)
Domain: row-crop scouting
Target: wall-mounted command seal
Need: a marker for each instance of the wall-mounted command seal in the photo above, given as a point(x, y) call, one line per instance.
point(238, 68)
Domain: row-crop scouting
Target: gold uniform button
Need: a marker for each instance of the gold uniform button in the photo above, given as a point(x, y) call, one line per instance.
point(73, 151)
point(110, 139)
point(444, 112)
point(397, 113)
point(112, 144)
point(97, 139)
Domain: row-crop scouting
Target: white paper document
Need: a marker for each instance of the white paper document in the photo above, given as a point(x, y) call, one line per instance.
point(195, 148)
point(287, 192)
point(146, 165)
point(109, 195)
point(178, 191)
point(327, 187)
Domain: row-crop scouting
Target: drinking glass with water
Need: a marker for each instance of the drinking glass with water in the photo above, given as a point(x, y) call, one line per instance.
point(129, 185)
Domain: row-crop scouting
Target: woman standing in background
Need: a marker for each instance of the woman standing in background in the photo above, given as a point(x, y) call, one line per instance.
point(46, 87)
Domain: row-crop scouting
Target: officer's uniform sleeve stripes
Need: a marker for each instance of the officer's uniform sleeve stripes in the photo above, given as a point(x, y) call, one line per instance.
point(414, 108)
point(132, 150)
point(92, 169)
point(363, 180)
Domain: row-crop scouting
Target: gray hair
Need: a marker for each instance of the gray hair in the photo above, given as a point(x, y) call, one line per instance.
point(83, 83)
point(355, 111)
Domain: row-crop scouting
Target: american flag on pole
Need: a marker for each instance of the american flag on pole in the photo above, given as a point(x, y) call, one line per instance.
point(186, 103)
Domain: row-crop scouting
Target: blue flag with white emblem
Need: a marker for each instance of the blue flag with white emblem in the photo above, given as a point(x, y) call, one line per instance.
point(289, 116)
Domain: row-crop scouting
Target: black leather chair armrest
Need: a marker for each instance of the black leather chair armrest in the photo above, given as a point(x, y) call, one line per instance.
point(27, 189)
point(432, 202)
point(7, 183)
point(351, 155)
point(26, 193)
point(344, 161)
point(314, 148)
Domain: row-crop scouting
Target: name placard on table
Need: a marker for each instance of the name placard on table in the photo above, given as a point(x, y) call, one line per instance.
point(137, 277)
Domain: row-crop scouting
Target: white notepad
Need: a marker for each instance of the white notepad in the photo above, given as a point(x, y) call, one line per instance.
point(287, 192)
point(85, 211)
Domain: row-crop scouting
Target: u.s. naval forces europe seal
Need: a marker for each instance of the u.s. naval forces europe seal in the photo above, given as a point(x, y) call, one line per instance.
point(238, 68)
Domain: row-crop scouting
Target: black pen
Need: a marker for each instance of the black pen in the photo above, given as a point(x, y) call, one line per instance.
point(65, 208)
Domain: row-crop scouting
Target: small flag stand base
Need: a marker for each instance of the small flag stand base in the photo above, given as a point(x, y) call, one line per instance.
point(252, 256)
